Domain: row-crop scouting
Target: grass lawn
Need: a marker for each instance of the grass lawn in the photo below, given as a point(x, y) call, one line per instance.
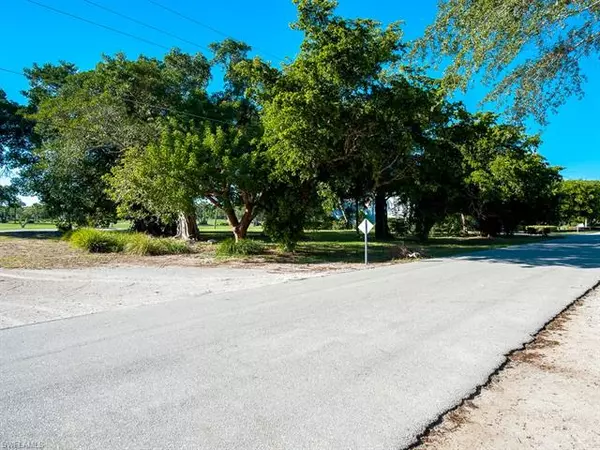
point(29, 226)
point(122, 225)
point(346, 246)
point(51, 226)
point(47, 250)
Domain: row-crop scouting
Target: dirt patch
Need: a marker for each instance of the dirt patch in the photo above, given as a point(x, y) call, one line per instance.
point(545, 397)
point(47, 251)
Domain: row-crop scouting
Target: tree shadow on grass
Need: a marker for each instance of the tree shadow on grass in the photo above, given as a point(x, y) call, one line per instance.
point(574, 251)
point(31, 234)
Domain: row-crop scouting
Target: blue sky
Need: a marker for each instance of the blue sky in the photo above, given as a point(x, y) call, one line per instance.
point(33, 34)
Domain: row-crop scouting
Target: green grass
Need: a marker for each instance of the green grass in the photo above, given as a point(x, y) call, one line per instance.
point(100, 241)
point(330, 246)
point(96, 241)
point(121, 225)
point(246, 247)
point(225, 228)
point(29, 226)
point(347, 246)
point(339, 246)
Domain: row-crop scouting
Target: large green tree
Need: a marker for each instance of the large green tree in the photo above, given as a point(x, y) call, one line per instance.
point(15, 133)
point(86, 120)
point(342, 112)
point(529, 52)
point(223, 162)
point(580, 202)
point(506, 182)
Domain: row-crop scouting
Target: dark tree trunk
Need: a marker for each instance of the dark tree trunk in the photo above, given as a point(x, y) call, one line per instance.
point(490, 226)
point(423, 227)
point(187, 228)
point(381, 219)
point(356, 216)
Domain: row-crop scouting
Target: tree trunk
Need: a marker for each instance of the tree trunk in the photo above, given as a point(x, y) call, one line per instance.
point(356, 215)
point(187, 228)
point(345, 218)
point(463, 221)
point(381, 220)
point(242, 229)
point(423, 227)
point(233, 221)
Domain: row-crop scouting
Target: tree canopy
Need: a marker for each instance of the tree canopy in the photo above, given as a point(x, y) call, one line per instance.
point(349, 121)
point(580, 202)
point(528, 52)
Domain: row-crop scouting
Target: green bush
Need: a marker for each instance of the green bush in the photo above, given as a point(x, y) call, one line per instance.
point(451, 225)
point(143, 244)
point(338, 224)
point(398, 226)
point(244, 247)
point(99, 241)
point(64, 227)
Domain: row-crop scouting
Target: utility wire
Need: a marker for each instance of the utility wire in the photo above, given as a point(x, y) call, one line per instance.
point(144, 104)
point(190, 19)
point(203, 25)
point(12, 71)
point(106, 27)
point(139, 22)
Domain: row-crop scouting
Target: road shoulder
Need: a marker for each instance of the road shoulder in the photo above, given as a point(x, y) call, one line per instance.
point(547, 396)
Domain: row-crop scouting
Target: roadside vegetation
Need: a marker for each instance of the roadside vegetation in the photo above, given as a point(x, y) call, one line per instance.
point(141, 244)
point(38, 250)
point(349, 129)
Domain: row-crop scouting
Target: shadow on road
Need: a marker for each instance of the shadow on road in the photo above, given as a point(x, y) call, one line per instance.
point(574, 251)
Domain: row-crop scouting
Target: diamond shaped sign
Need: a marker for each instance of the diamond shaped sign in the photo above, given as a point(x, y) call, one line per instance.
point(365, 226)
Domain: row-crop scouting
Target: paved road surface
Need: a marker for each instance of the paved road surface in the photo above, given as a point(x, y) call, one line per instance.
point(28, 296)
point(361, 360)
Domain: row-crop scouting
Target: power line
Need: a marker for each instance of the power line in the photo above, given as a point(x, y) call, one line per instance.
point(147, 105)
point(203, 25)
point(12, 71)
point(144, 24)
point(106, 27)
point(190, 19)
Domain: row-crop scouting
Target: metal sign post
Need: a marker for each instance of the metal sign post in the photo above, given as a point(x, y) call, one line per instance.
point(365, 227)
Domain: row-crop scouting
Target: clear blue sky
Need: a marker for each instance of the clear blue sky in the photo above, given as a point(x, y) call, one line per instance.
point(33, 34)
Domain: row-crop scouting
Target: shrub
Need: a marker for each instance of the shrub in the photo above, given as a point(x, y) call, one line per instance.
point(398, 226)
point(97, 241)
point(288, 207)
point(244, 247)
point(143, 244)
point(338, 224)
point(64, 227)
point(451, 225)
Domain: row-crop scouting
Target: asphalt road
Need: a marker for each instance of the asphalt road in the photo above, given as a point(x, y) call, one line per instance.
point(360, 360)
